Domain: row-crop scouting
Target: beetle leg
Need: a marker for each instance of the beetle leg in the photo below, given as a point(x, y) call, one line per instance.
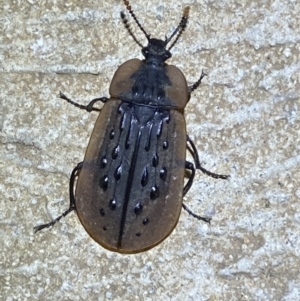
point(189, 211)
point(193, 151)
point(89, 107)
point(197, 83)
point(190, 166)
point(72, 206)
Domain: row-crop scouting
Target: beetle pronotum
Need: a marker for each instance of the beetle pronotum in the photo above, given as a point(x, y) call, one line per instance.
point(130, 185)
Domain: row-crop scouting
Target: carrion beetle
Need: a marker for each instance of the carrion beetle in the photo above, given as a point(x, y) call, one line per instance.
point(128, 191)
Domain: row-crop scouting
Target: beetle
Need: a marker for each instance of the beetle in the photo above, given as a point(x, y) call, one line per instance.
point(128, 191)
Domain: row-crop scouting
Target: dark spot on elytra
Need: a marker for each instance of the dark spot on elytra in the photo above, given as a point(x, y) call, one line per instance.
point(112, 204)
point(102, 212)
point(104, 182)
point(146, 221)
point(159, 129)
point(167, 119)
point(118, 173)
point(122, 122)
point(154, 194)
point(155, 160)
point(163, 173)
point(104, 228)
point(145, 177)
point(103, 162)
point(115, 152)
point(138, 234)
point(148, 145)
point(138, 208)
point(165, 144)
point(112, 135)
point(127, 141)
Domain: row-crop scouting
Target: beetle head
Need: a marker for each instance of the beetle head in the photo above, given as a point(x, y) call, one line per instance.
point(156, 51)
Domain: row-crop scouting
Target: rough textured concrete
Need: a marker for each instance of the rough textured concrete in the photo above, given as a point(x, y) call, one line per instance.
point(244, 118)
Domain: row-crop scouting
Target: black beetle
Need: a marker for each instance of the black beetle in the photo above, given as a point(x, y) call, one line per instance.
point(130, 185)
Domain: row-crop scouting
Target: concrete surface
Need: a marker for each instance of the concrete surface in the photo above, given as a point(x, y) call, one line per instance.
point(244, 119)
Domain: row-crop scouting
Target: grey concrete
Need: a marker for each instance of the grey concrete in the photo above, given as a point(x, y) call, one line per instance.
point(244, 119)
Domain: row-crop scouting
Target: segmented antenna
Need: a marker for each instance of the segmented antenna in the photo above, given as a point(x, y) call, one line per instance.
point(128, 7)
point(127, 26)
point(181, 27)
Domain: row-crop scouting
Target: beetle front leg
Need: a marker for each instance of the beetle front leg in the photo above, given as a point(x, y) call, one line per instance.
point(190, 166)
point(72, 206)
point(89, 107)
point(197, 83)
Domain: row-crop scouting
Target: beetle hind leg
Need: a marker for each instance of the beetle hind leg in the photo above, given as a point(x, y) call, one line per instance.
point(190, 212)
point(90, 107)
point(72, 206)
point(190, 166)
point(53, 222)
point(193, 151)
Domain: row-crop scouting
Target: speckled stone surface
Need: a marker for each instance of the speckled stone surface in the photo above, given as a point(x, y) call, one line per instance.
point(244, 119)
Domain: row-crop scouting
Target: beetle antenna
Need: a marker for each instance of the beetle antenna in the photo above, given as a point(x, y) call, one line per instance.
point(128, 7)
point(127, 26)
point(180, 28)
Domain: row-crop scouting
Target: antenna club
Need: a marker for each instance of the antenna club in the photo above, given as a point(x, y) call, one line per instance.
point(128, 6)
point(186, 11)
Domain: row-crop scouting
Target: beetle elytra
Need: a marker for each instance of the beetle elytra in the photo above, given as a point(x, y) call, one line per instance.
point(128, 191)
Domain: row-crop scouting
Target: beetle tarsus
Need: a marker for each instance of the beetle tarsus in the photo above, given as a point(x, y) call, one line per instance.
point(194, 86)
point(193, 151)
point(53, 222)
point(212, 174)
point(190, 166)
point(90, 107)
point(189, 211)
point(72, 206)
